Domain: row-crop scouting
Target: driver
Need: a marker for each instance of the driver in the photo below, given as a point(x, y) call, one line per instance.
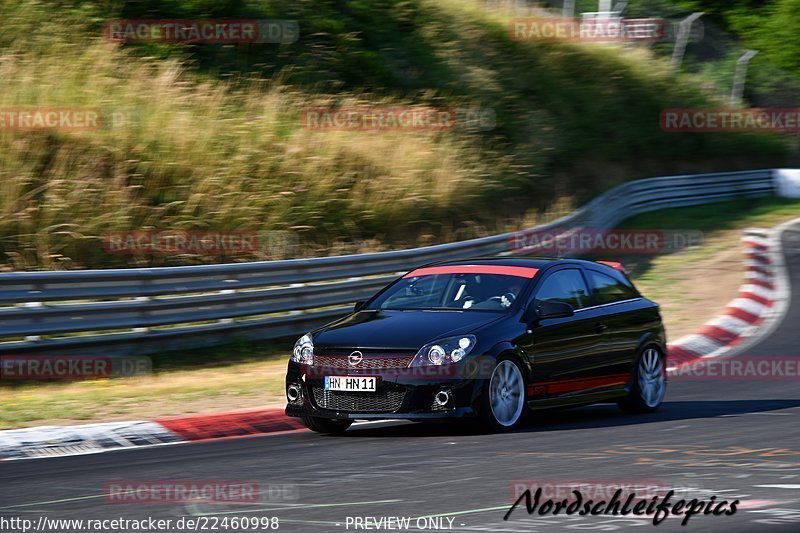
point(508, 298)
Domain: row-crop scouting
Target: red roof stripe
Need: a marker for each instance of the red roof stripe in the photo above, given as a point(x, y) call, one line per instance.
point(520, 272)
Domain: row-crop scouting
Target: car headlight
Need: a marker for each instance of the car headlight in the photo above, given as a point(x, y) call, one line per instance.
point(444, 351)
point(303, 351)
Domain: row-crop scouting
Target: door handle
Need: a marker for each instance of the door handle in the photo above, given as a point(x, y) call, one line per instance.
point(600, 328)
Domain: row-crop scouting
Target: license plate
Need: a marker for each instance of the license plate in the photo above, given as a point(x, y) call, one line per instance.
point(351, 383)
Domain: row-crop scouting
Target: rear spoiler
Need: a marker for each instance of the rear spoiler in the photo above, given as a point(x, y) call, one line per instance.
point(614, 264)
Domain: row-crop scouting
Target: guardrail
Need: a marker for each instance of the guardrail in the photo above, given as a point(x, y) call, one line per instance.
point(123, 310)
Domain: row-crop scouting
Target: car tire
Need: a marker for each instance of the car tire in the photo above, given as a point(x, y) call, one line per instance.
point(326, 425)
point(503, 406)
point(649, 383)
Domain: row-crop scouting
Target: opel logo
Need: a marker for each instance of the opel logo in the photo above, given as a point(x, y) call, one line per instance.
point(355, 358)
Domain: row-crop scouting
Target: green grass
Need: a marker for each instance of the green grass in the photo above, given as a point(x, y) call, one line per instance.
point(237, 376)
point(717, 221)
point(721, 223)
point(719, 216)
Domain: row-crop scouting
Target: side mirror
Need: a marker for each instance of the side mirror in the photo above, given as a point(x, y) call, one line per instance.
point(555, 310)
point(358, 306)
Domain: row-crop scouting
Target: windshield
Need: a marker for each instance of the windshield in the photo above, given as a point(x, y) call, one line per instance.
point(452, 291)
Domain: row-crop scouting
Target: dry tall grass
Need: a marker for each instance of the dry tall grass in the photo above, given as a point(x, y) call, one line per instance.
point(178, 152)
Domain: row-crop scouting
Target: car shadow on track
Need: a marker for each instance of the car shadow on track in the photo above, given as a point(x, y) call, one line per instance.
point(594, 416)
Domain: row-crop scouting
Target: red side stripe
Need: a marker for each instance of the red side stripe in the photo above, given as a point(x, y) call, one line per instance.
point(521, 272)
point(571, 385)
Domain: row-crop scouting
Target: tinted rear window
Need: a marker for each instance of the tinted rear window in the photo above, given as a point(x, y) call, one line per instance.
point(607, 289)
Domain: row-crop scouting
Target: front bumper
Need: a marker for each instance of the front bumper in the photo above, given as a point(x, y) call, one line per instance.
point(301, 411)
point(397, 396)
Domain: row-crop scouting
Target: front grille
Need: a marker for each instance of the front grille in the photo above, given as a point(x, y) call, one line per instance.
point(383, 401)
point(373, 359)
point(371, 363)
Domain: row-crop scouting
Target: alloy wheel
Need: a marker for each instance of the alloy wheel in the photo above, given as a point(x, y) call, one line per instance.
point(651, 378)
point(506, 393)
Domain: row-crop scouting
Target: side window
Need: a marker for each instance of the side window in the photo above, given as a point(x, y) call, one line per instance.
point(564, 286)
point(608, 290)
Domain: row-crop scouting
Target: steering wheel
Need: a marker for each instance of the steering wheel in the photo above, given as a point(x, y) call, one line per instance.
point(505, 300)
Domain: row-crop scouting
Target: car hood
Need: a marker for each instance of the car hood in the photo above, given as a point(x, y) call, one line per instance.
point(400, 330)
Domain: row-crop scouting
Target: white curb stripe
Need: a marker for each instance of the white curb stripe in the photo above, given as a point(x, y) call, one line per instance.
point(756, 252)
point(756, 270)
point(777, 313)
point(699, 344)
point(90, 438)
point(730, 323)
point(752, 264)
point(756, 275)
point(749, 306)
point(758, 290)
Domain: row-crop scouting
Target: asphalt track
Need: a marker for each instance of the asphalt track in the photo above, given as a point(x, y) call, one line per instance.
point(732, 439)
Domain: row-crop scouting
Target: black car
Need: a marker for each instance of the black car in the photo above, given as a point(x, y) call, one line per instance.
point(487, 339)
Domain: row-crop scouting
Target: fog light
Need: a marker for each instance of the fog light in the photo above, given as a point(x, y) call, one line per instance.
point(293, 392)
point(442, 397)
